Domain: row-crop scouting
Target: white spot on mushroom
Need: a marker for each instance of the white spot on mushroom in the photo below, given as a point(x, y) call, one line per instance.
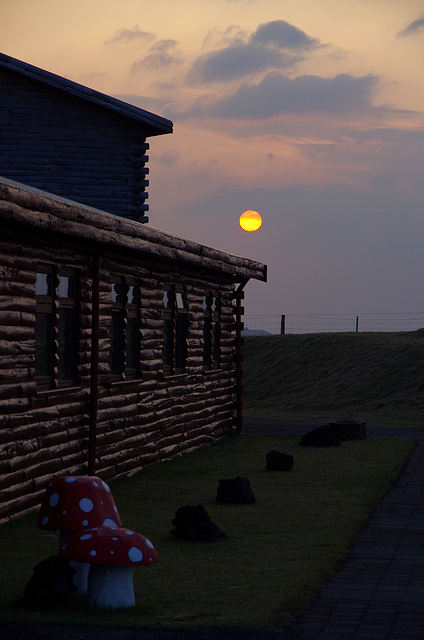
point(86, 536)
point(85, 523)
point(149, 544)
point(135, 555)
point(70, 479)
point(129, 532)
point(86, 505)
point(105, 486)
point(108, 522)
point(54, 499)
point(93, 552)
point(45, 520)
point(95, 484)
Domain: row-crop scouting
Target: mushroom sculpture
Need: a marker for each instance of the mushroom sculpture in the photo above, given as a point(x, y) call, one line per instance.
point(112, 553)
point(74, 503)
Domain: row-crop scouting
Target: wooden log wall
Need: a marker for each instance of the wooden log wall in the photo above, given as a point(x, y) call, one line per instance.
point(139, 422)
point(70, 147)
point(41, 434)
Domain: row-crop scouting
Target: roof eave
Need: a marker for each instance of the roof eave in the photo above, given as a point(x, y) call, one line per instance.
point(72, 219)
point(157, 125)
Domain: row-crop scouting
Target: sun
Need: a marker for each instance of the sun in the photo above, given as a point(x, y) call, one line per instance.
point(250, 220)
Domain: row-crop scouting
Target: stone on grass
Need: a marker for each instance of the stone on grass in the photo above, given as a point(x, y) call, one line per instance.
point(277, 461)
point(320, 437)
point(193, 524)
point(235, 491)
point(50, 584)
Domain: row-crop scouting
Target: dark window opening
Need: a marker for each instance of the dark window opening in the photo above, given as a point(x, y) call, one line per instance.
point(124, 360)
point(43, 345)
point(175, 331)
point(211, 331)
point(56, 327)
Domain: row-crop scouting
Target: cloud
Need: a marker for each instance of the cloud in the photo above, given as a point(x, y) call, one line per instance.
point(129, 35)
point(169, 158)
point(218, 38)
point(277, 94)
point(274, 45)
point(414, 27)
point(238, 61)
point(283, 35)
point(163, 53)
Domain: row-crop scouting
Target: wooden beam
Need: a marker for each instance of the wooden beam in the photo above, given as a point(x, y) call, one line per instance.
point(94, 379)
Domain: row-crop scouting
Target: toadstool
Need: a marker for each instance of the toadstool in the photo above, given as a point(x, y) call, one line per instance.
point(112, 553)
point(74, 503)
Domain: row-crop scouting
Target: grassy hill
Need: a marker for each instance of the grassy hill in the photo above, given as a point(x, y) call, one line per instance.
point(377, 377)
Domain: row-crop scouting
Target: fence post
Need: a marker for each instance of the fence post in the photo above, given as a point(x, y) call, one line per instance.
point(283, 325)
point(357, 323)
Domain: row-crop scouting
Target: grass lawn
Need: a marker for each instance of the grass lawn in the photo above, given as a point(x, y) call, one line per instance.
point(278, 552)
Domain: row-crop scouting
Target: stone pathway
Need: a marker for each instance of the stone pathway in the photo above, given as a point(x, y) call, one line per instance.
point(378, 594)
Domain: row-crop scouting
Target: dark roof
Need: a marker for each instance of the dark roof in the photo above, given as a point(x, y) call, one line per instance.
point(64, 217)
point(157, 124)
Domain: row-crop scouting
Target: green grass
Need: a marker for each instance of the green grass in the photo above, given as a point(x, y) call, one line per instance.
point(278, 552)
point(376, 377)
point(304, 522)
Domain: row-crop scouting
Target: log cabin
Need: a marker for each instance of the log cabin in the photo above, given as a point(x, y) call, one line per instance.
point(62, 137)
point(120, 345)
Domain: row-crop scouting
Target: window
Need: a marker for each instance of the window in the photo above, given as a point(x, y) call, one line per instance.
point(175, 330)
point(168, 331)
point(56, 327)
point(216, 331)
point(211, 331)
point(124, 330)
point(207, 331)
point(132, 342)
point(67, 334)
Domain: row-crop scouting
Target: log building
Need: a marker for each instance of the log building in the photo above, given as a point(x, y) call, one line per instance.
point(119, 343)
point(62, 137)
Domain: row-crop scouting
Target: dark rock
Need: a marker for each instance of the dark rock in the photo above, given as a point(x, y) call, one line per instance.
point(349, 430)
point(277, 461)
point(235, 491)
point(50, 583)
point(194, 524)
point(320, 437)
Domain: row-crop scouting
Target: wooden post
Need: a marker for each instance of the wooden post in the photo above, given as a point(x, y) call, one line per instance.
point(94, 380)
point(283, 325)
point(239, 358)
point(357, 323)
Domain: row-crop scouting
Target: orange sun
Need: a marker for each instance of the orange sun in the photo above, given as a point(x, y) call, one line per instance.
point(250, 220)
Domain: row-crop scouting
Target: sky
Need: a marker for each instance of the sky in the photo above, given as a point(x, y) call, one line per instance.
point(310, 112)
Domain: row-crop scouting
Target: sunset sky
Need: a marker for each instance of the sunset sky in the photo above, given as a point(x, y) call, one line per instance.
point(310, 112)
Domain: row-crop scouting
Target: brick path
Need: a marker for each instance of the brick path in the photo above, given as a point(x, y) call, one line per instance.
point(378, 594)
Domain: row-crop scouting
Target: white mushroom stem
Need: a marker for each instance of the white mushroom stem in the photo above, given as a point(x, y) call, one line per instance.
point(110, 586)
point(80, 579)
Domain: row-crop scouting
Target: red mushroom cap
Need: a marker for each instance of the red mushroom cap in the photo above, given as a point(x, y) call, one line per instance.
point(109, 545)
point(72, 503)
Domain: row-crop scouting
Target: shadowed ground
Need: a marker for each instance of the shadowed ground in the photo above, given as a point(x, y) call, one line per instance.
point(377, 593)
